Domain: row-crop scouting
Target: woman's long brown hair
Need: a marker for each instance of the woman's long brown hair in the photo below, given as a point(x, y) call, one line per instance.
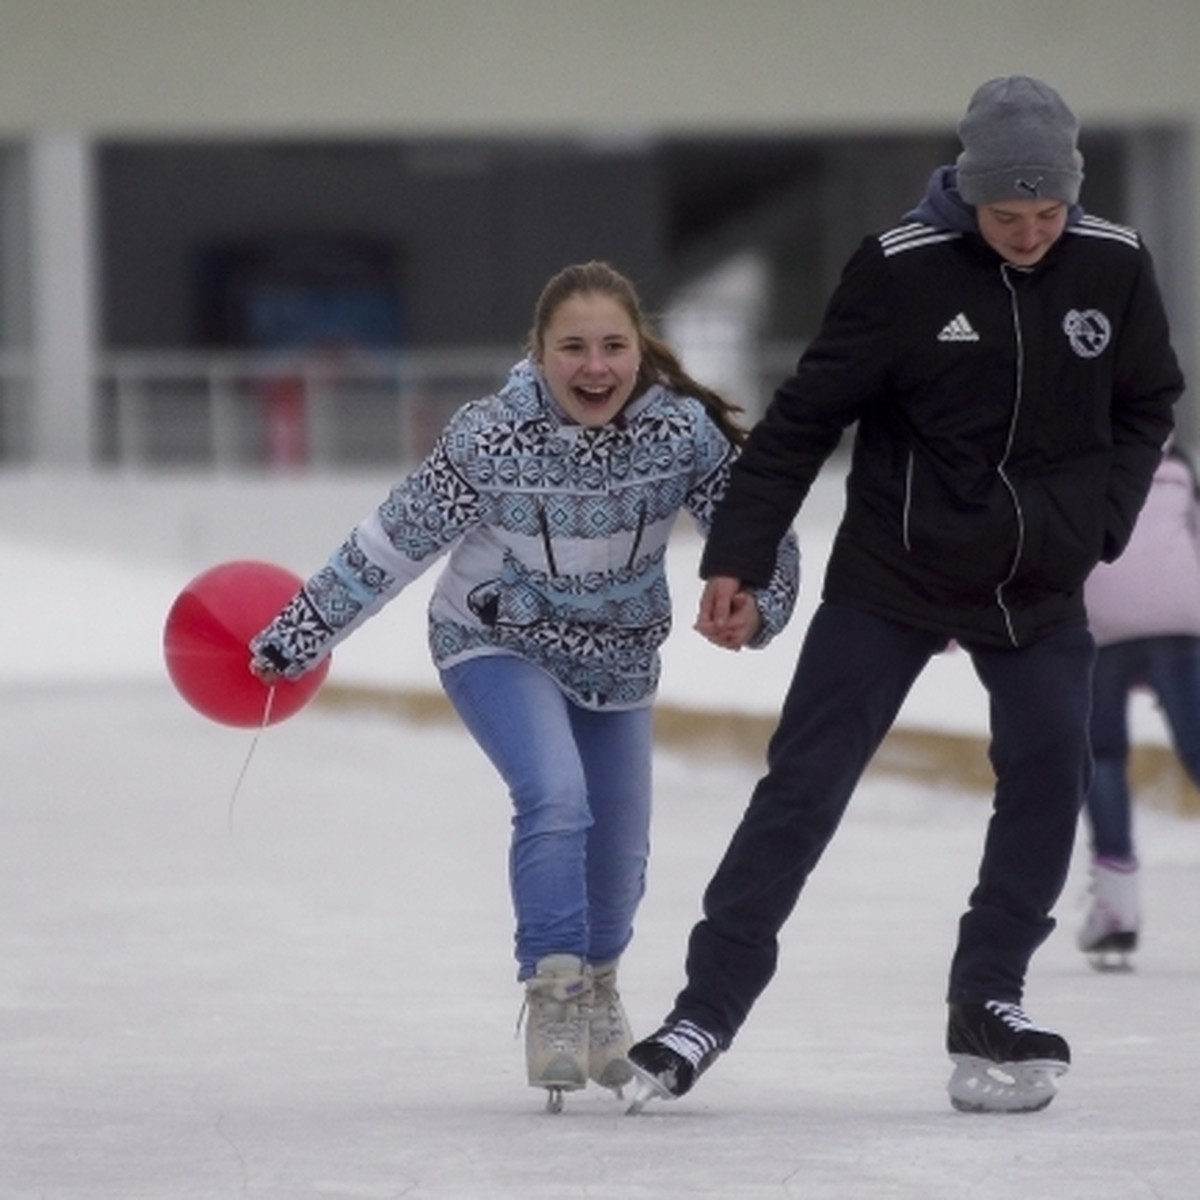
point(660, 364)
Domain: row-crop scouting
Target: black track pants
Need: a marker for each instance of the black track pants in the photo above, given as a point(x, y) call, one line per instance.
point(852, 676)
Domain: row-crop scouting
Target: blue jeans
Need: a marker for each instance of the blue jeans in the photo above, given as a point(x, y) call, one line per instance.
point(580, 786)
point(1170, 668)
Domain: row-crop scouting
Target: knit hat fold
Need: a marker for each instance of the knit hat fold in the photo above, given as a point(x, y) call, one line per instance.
point(1019, 142)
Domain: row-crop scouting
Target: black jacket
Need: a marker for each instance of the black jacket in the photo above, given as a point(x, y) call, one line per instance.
point(1008, 424)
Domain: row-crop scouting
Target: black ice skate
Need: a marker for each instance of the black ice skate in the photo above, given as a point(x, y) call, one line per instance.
point(669, 1061)
point(1003, 1061)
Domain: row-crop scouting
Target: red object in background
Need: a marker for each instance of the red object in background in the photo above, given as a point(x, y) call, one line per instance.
point(205, 644)
point(284, 414)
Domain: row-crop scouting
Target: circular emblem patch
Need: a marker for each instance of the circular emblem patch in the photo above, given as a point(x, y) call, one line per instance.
point(1089, 332)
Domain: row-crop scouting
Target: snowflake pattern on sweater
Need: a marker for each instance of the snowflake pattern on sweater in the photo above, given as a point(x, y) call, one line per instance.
point(556, 535)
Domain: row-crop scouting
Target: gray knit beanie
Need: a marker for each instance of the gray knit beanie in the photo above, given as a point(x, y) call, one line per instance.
point(1018, 141)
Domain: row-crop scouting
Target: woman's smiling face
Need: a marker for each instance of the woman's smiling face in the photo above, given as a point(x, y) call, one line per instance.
point(590, 355)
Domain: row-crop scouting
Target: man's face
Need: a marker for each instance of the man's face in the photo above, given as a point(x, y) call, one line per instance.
point(1021, 231)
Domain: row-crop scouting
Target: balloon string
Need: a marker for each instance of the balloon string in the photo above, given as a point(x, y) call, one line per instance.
point(237, 787)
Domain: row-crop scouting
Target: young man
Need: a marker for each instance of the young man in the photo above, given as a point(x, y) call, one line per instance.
point(1008, 363)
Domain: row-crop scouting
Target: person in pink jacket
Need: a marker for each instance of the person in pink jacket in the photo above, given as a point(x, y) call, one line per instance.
point(1144, 612)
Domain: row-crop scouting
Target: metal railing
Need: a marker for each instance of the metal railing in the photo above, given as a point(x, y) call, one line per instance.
point(273, 411)
point(330, 410)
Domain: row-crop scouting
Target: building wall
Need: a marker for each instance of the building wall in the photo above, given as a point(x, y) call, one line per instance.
point(613, 69)
point(612, 75)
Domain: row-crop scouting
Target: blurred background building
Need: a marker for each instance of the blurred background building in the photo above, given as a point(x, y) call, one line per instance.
point(262, 235)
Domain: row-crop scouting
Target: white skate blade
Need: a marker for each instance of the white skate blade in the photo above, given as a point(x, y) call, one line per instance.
point(978, 1085)
point(615, 1076)
point(556, 1089)
point(1110, 961)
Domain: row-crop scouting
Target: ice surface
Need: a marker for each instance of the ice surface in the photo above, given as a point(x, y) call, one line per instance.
point(312, 995)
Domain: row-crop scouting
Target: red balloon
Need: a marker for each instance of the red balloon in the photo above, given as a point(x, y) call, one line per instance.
point(205, 643)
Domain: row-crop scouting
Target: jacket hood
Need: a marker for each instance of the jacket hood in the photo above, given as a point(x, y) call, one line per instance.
point(943, 207)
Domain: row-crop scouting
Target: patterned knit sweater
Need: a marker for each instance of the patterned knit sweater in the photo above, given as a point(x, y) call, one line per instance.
point(556, 535)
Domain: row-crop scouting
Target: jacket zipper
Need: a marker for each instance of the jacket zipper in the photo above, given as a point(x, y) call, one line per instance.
point(544, 526)
point(637, 535)
point(906, 516)
point(1005, 270)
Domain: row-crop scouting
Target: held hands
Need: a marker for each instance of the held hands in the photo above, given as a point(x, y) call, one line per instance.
point(728, 615)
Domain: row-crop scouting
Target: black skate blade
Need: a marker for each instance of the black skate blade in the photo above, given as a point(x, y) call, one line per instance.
point(646, 1087)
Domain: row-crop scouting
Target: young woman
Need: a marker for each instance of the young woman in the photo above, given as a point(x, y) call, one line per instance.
point(555, 498)
point(1144, 612)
